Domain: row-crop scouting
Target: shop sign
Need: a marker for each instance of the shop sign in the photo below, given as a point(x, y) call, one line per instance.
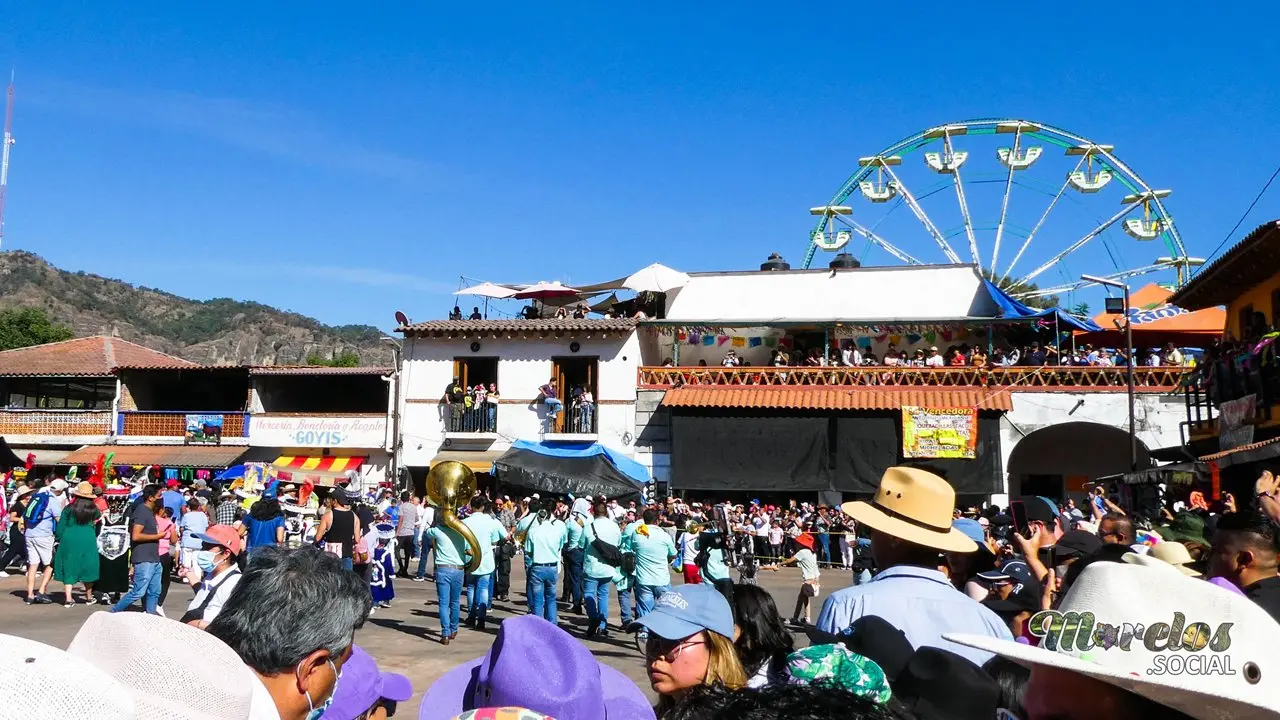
point(1234, 430)
point(939, 432)
point(324, 432)
point(203, 430)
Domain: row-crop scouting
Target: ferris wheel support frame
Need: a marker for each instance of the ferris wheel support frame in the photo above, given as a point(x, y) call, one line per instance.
point(914, 141)
point(1027, 241)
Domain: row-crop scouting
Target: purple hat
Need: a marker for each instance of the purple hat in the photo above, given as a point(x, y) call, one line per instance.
point(1226, 584)
point(534, 664)
point(363, 685)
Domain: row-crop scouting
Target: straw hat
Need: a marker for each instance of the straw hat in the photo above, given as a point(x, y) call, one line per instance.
point(1165, 553)
point(204, 680)
point(914, 505)
point(1120, 594)
point(83, 490)
point(34, 682)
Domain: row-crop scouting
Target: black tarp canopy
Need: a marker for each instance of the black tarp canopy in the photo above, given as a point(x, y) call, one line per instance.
point(574, 469)
point(8, 459)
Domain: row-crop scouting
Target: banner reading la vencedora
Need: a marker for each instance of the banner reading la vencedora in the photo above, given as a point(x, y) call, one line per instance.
point(939, 432)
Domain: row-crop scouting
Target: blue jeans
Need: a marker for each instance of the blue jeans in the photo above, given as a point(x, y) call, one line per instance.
point(479, 591)
point(146, 583)
point(554, 406)
point(573, 567)
point(542, 591)
point(347, 564)
point(646, 596)
point(825, 540)
point(449, 595)
point(597, 594)
point(423, 551)
point(491, 412)
point(584, 417)
point(626, 603)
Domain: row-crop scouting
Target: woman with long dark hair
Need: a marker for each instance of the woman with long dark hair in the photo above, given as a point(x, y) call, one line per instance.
point(264, 525)
point(76, 559)
point(763, 642)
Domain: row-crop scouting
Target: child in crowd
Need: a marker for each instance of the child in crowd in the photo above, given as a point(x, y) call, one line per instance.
point(381, 567)
point(810, 585)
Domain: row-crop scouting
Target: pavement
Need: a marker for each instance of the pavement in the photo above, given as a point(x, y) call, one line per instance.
point(405, 637)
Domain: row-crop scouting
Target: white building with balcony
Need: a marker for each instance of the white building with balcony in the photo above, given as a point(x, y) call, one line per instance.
point(592, 362)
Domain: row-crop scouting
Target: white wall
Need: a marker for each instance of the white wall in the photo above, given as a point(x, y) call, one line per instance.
point(524, 365)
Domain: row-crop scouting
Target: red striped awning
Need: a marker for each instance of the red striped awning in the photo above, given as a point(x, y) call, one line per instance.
point(306, 463)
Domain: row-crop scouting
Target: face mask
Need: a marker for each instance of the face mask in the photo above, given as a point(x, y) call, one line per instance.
point(314, 713)
point(206, 561)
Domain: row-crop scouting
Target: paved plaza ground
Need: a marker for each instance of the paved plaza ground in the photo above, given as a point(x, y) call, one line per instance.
point(405, 638)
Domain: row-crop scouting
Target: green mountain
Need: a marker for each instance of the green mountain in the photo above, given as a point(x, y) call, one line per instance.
point(217, 331)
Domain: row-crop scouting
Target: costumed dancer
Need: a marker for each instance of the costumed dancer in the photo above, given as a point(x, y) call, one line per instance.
point(113, 546)
point(810, 585)
point(382, 565)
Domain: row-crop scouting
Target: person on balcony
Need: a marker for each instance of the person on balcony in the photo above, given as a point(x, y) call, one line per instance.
point(551, 398)
point(491, 407)
point(455, 399)
point(849, 355)
point(934, 360)
point(586, 410)
point(475, 314)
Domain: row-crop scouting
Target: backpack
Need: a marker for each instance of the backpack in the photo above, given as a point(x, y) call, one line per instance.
point(607, 552)
point(36, 509)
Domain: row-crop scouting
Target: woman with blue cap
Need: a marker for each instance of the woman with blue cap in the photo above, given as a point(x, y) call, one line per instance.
point(690, 643)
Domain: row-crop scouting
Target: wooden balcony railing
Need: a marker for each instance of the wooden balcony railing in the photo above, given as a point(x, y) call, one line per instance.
point(55, 422)
point(1145, 379)
point(174, 424)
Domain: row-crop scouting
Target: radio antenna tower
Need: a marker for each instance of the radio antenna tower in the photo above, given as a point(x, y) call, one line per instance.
point(4, 154)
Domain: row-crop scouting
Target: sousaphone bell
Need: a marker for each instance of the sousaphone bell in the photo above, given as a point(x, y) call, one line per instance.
point(451, 485)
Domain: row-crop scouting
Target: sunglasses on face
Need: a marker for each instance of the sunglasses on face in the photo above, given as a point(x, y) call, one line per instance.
point(657, 648)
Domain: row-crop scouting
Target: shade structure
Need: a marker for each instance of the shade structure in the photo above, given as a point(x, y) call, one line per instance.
point(578, 469)
point(489, 290)
point(656, 278)
point(1156, 321)
point(545, 290)
point(8, 459)
point(235, 472)
point(319, 470)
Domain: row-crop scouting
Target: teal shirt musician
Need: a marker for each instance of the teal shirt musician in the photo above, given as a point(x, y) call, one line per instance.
point(488, 531)
point(654, 551)
point(449, 546)
point(547, 540)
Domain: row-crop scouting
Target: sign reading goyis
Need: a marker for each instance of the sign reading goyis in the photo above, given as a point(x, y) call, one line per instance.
point(350, 432)
point(939, 432)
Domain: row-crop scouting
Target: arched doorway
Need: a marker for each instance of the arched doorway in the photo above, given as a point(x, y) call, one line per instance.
point(1060, 459)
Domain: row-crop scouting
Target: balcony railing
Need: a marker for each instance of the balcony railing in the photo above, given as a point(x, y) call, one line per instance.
point(578, 419)
point(149, 423)
point(1219, 381)
point(1146, 379)
point(483, 419)
point(55, 422)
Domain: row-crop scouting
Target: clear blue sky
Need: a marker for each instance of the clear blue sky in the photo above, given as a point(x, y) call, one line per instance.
point(346, 162)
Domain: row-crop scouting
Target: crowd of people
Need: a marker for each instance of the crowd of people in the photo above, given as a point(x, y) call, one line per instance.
point(850, 354)
point(1039, 611)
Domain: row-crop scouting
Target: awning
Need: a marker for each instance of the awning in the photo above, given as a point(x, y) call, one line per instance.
point(480, 461)
point(579, 469)
point(836, 398)
point(1011, 309)
point(317, 469)
point(43, 456)
point(8, 458)
point(193, 456)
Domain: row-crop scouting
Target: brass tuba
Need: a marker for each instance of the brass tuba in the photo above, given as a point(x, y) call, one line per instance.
point(450, 485)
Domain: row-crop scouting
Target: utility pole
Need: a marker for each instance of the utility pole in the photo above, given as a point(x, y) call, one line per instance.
point(4, 154)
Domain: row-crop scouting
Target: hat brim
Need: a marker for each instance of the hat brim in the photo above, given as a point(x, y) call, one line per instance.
point(666, 626)
point(205, 538)
point(395, 687)
point(444, 699)
point(873, 517)
point(1161, 689)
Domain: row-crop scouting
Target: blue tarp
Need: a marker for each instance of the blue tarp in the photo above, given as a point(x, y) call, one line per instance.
point(624, 464)
point(1011, 309)
point(235, 472)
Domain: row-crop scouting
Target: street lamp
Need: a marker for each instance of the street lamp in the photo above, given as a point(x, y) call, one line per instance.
point(393, 467)
point(1129, 359)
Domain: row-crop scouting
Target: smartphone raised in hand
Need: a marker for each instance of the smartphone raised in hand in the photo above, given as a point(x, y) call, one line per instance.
point(1018, 510)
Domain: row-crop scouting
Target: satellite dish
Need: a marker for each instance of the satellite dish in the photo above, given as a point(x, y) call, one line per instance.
point(401, 318)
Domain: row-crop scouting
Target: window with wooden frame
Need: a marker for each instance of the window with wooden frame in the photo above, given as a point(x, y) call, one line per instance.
point(472, 371)
point(574, 376)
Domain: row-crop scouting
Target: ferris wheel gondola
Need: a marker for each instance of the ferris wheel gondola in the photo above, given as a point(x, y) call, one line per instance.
point(1003, 238)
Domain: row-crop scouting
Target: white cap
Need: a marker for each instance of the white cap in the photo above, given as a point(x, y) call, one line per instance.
point(207, 680)
point(58, 485)
point(39, 681)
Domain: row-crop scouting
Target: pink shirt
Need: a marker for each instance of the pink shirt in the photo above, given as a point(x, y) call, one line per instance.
point(165, 526)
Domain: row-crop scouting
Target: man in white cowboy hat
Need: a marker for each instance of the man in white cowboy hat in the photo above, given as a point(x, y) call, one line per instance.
point(1158, 645)
point(910, 522)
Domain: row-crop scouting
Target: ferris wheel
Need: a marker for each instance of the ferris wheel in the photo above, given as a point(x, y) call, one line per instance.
point(1033, 206)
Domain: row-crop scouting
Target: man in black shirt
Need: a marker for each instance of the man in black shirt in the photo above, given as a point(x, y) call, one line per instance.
point(145, 556)
point(455, 397)
point(1244, 552)
point(1036, 356)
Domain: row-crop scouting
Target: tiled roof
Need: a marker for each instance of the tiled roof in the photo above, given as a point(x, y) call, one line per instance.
point(196, 456)
point(1241, 449)
point(485, 327)
point(1246, 264)
point(94, 356)
point(835, 398)
point(317, 370)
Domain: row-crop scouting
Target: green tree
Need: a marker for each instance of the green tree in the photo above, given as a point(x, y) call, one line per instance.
point(1080, 309)
point(347, 358)
point(24, 327)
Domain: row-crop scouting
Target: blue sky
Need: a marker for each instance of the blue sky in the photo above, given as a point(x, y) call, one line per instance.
point(346, 163)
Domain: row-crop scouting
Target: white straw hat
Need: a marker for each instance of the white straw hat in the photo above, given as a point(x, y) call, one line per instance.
point(172, 670)
point(41, 682)
point(1125, 596)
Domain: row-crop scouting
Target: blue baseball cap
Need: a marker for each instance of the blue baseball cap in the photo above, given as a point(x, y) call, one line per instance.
point(971, 528)
point(687, 610)
point(1015, 571)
